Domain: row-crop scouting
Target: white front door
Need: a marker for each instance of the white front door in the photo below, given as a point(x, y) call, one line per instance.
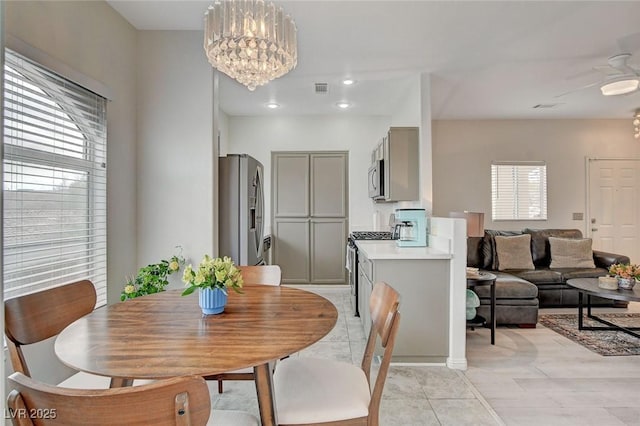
point(614, 206)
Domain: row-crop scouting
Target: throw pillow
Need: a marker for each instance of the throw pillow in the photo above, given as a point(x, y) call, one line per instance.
point(571, 253)
point(514, 252)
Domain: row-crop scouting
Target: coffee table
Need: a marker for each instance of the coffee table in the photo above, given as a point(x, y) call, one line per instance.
point(589, 286)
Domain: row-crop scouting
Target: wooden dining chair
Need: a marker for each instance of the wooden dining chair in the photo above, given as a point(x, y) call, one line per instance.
point(258, 274)
point(38, 316)
point(321, 391)
point(176, 401)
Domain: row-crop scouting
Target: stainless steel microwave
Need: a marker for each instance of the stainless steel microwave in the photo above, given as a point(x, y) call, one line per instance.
point(376, 180)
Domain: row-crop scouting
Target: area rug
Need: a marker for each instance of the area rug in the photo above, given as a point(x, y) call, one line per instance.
point(607, 343)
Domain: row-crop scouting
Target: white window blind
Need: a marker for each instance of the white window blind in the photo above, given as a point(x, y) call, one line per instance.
point(55, 199)
point(519, 191)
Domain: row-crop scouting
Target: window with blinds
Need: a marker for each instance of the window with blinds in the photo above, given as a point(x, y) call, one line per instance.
point(55, 201)
point(519, 191)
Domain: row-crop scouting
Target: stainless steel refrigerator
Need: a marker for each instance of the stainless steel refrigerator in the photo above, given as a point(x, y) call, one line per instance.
point(241, 223)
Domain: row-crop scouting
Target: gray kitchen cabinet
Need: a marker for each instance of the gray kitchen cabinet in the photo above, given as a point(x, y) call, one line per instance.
point(310, 216)
point(290, 181)
point(291, 249)
point(328, 185)
point(365, 287)
point(327, 260)
point(424, 299)
point(401, 154)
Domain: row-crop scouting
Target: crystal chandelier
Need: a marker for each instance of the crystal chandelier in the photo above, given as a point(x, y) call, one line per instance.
point(636, 124)
point(250, 40)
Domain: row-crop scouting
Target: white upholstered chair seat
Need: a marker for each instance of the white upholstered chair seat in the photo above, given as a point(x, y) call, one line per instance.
point(310, 390)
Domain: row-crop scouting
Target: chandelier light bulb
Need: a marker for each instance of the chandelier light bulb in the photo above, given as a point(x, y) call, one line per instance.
point(251, 41)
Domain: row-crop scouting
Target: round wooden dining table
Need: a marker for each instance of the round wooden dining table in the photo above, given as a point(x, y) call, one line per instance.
point(165, 335)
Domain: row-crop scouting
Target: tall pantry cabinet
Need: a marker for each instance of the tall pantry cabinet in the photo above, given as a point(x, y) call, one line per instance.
point(310, 216)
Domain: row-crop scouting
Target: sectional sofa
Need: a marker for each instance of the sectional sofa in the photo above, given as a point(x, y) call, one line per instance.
point(523, 284)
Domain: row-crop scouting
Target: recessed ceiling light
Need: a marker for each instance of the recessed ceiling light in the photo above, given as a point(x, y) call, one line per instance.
point(343, 105)
point(348, 81)
point(272, 105)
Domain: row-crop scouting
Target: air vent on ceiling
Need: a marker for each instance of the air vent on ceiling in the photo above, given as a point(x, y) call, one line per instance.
point(322, 88)
point(545, 105)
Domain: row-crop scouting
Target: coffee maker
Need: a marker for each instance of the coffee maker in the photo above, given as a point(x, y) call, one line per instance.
point(411, 228)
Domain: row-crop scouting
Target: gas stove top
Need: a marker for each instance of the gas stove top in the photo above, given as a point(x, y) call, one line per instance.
point(371, 235)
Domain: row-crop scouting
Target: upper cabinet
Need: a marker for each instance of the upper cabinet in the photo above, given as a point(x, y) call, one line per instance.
point(400, 151)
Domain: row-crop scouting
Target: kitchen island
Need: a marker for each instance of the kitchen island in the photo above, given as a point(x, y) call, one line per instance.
point(429, 280)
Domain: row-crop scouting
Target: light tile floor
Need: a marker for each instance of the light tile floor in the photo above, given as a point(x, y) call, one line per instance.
point(538, 377)
point(412, 396)
point(530, 377)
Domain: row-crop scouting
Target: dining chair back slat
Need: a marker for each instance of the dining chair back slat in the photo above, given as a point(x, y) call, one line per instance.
point(385, 320)
point(258, 274)
point(312, 391)
point(38, 316)
point(261, 274)
point(177, 401)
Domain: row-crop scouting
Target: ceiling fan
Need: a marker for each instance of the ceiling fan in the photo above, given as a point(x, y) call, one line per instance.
point(620, 77)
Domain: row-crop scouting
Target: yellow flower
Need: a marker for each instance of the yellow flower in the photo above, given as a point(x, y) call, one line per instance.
point(174, 266)
point(212, 273)
point(188, 273)
point(129, 289)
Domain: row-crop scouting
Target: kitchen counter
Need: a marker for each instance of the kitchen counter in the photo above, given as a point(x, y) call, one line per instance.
point(432, 286)
point(387, 249)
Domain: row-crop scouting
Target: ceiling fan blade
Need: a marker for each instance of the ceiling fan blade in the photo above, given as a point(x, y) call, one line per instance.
point(578, 89)
point(591, 72)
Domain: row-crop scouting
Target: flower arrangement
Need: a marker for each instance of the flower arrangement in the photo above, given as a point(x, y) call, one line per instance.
point(152, 278)
point(213, 273)
point(625, 270)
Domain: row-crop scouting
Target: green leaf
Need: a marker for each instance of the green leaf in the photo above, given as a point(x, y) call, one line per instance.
point(188, 291)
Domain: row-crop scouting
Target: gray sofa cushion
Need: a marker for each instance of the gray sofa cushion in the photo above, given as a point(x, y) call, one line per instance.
point(474, 252)
point(540, 251)
point(513, 252)
point(571, 253)
point(543, 275)
point(568, 273)
point(488, 246)
point(508, 287)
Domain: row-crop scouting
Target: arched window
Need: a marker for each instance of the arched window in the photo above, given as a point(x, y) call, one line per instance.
point(54, 181)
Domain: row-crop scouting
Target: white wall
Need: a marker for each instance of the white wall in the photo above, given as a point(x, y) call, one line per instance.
point(176, 146)
point(223, 126)
point(463, 151)
point(407, 112)
point(104, 52)
point(259, 136)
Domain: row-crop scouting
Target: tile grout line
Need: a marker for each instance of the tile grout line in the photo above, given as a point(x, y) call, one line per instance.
point(480, 398)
